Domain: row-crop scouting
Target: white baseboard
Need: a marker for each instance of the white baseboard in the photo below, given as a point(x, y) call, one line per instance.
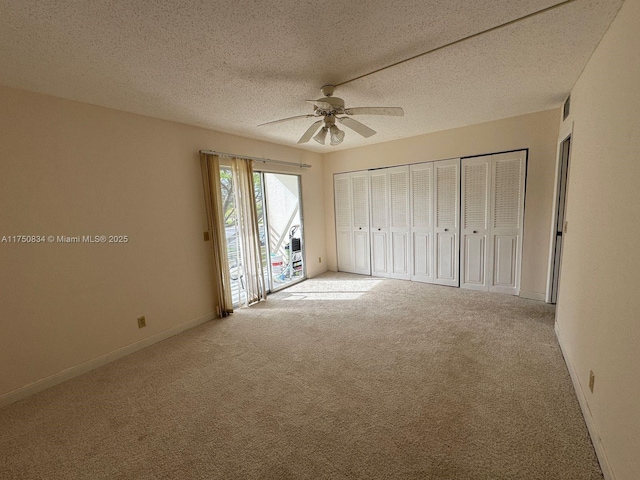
point(87, 366)
point(586, 413)
point(533, 295)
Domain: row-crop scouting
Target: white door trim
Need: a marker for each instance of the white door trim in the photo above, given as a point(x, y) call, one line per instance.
point(554, 211)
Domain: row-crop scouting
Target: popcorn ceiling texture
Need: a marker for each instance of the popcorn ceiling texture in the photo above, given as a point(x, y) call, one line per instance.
point(230, 65)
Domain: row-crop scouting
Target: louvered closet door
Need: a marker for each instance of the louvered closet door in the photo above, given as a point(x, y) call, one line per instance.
point(507, 209)
point(399, 231)
point(344, 228)
point(476, 185)
point(421, 214)
point(379, 185)
point(360, 222)
point(447, 206)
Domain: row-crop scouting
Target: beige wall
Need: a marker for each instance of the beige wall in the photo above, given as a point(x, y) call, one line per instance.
point(598, 310)
point(68, 168)
point(538, 132)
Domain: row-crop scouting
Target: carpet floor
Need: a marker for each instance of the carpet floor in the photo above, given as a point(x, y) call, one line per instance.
point(338, 377)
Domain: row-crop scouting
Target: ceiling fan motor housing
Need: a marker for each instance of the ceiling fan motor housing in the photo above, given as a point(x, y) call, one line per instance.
point(327, 90)
point(337, 105)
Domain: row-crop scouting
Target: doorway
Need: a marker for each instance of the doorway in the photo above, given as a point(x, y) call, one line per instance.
point(560, 225)
point(279, 211)
point(283, 218)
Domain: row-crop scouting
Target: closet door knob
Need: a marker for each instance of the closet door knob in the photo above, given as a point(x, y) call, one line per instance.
point(446, 229)
point(475, 231)
point(379, 229)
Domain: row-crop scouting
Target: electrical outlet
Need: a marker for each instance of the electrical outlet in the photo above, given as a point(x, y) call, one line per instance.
point(142, 322)
point(319, 259)
point(206, 236)
point(592, 380)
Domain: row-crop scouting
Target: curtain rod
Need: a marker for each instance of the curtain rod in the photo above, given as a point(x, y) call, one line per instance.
point(257, 159)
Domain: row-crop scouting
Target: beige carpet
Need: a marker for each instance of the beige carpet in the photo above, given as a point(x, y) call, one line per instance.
point(341, 376)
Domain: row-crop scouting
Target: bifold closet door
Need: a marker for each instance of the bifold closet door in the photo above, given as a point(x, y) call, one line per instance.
point(507, 216)
point(399, 230)
point(492, 216)
point(421, 214)
point(390, 233)
point(447, 224)
point(474, 251)
point(344, 230)
point(379, 187)
point(351, 193)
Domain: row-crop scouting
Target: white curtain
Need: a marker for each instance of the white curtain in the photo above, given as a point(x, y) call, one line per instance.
point(210, 165)
point(247, 218)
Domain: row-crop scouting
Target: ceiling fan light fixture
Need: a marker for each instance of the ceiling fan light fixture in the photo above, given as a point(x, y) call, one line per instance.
point(321, 135)
point(337, 135)
point(331, 109)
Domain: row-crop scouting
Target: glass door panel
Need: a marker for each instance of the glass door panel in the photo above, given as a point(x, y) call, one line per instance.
point(258, 183)
point(284, 230)
point(234, 254)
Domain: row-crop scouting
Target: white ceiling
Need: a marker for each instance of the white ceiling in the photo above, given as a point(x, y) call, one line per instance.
point(230, 65)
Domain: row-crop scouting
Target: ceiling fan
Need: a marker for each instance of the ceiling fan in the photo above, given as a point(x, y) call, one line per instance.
point(331, 109)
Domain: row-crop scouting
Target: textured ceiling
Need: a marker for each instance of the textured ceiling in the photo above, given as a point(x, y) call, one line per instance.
point(230, 65)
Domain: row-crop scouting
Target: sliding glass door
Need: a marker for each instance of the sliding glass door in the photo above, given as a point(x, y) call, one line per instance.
point(277, 198)
point(284, 220)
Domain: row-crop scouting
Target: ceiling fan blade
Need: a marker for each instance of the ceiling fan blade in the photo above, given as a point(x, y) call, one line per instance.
point(287, 119)
point(357, 127)
point(321, 104)
point(391, 111)
point(310, 131)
